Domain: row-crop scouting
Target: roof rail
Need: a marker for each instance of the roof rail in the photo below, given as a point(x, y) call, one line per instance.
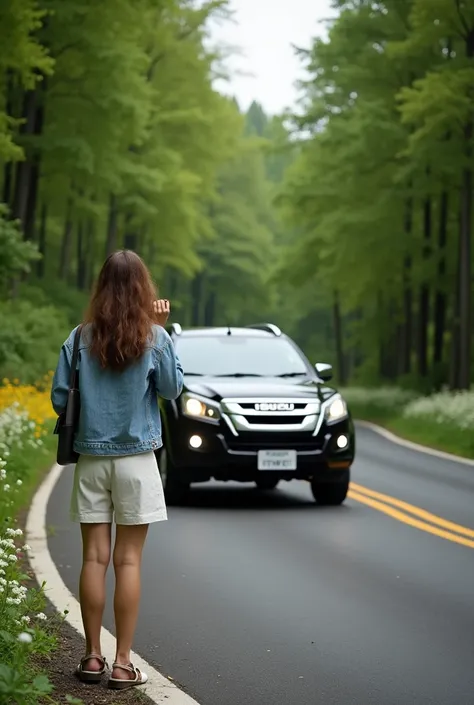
point(175, 328)
point(269, 327)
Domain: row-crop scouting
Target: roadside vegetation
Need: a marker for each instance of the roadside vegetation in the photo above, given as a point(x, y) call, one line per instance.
point(26, 632)
point(443, 420)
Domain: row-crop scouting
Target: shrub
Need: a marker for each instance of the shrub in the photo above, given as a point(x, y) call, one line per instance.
point(25, 414)
point(30, 339)
point(454, 408)
point(385, 400)
point(15, 254)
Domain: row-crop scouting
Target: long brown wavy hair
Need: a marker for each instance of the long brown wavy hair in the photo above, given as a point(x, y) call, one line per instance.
point(121, 311)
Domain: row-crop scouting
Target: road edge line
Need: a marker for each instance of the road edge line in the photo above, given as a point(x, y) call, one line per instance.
point(414, 446)
point(158, 688)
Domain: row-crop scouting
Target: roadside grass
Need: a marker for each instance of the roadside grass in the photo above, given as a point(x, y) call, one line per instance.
point(27, 633)
point(429, 429)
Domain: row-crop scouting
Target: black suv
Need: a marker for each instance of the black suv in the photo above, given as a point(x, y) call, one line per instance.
point(254, 409)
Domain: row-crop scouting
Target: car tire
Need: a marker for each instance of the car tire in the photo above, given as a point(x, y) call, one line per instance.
point(176, 491)
point(330, 494)
point(266, 483)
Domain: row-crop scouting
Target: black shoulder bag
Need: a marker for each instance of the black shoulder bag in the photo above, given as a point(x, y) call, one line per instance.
point(66, 425)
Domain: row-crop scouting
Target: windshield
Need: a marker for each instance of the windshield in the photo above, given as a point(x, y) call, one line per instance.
point(236, 356)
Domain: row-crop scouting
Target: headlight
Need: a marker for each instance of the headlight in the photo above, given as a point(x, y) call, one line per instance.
point(336, 410)
point(198, 408)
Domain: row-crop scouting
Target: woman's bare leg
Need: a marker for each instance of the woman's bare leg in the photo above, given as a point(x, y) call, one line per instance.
point(96, 542)
point(127, 559)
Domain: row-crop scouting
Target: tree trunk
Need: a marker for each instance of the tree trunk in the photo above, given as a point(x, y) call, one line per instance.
point(66, 244)
point(89, 255)
point(33, 115)
point(392, 336)
point(30, 213)
point(424, 303)
point(465, 283)
point(406, 334)
point(454, 380)
point(196, 299)
point(130, 241)
point(111, 240)
point(440, 299)
point(81, 272)
point(210, 309)
point(40, 267)
point(341, 367)
point(130, 238)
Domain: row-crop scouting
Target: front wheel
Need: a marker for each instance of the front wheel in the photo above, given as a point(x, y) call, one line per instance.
point(176, 491)
point(330, 494)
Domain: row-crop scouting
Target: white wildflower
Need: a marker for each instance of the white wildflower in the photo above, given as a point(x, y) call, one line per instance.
point(26, 619)
point(19, 483)
point(25, 638)
point(6, 487)
point(452, 408)
point(26, 548)
point(385, 398)
point(18, 532)
point(41, 616)
point(12, 558)
point(6, 545)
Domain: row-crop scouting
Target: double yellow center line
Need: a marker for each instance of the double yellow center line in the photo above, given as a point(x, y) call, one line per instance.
point(413, 516)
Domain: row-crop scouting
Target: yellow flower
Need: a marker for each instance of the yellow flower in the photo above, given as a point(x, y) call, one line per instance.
point(33, 398)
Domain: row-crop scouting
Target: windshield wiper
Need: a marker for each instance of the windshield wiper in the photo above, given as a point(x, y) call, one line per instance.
point(239, 374)
point(293, 374)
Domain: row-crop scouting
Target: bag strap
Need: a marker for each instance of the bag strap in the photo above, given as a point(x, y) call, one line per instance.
point(75, 355)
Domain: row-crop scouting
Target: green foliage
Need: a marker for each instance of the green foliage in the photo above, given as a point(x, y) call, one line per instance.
point(15, 255)
point(380, 193)
point(22, 59)
point(30, 339)
point(25, 632)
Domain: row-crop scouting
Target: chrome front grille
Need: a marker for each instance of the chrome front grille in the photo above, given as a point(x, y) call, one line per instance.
point(271, 415)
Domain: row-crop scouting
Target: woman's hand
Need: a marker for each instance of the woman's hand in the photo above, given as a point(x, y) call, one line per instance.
point(162, 311)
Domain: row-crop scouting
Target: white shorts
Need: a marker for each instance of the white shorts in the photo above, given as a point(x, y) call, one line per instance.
point(127, 485)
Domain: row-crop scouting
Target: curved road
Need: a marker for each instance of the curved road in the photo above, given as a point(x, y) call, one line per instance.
point(266, 599)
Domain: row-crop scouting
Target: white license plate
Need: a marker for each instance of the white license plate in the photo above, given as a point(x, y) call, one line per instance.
point(277, 459)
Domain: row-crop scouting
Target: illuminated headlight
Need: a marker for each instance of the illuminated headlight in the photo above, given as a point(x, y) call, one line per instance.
point(198, 408)
point(336, 410)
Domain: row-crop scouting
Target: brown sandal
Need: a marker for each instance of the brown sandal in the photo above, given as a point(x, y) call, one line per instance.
point(91, 676)
point(123, 683)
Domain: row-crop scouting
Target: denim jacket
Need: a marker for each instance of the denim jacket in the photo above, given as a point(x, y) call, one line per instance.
point(119, 410)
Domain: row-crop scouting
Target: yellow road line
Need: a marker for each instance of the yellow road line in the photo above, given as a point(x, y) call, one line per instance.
point(417, 511)
point(406, 519)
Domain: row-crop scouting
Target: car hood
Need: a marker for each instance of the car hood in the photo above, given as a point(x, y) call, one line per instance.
point(247, 387)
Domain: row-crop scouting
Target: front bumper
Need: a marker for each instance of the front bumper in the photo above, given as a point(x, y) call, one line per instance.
point(223, 456)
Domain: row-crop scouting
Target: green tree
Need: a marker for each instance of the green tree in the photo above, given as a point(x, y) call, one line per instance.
point(374, 190)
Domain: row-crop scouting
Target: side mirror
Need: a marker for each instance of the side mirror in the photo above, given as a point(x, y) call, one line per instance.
point(324, 371)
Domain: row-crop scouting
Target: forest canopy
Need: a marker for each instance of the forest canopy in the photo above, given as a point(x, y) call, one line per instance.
point(348, 223)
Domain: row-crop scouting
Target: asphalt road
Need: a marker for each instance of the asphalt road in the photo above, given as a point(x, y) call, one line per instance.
point(252, 599)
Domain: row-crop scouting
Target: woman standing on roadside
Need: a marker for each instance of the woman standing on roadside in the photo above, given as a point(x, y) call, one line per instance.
point(126, 360)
